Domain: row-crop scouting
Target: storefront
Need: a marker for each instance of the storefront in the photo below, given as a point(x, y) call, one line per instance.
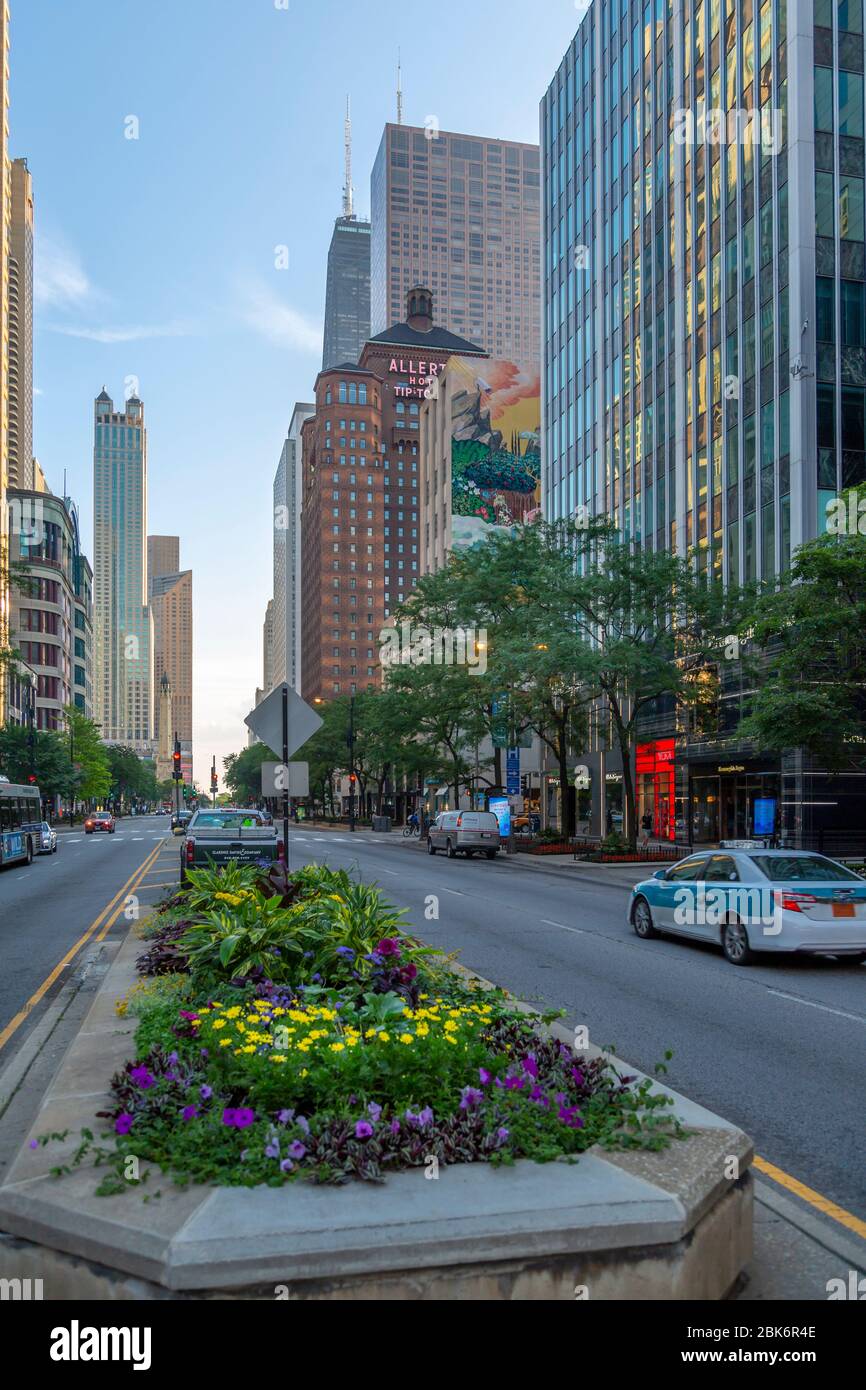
point(654, 768)
point(734, 801)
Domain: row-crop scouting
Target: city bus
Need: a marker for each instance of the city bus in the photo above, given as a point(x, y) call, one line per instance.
point(20, 823)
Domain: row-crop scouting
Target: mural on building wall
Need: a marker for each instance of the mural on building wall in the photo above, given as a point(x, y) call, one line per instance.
point(495, 447)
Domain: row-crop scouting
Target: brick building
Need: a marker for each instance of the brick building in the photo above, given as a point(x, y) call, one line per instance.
point(360, 521)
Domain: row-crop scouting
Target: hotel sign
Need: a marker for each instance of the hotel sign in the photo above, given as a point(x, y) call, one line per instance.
point(416, 376)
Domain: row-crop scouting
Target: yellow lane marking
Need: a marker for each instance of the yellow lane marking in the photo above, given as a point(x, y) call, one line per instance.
point(142, 874)
point(814, 1199)
point(15, 1023)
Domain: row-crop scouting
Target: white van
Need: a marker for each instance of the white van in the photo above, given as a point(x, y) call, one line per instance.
point(464, 832)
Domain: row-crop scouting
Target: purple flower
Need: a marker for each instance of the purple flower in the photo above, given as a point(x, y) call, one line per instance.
point(577, 1076)
point(388, 946)
point(502, 1134)
point(514, 1083)
point(470, 1097)
point(286, 1166)
point(569, 1116)
point(205, 1092)
point(205, 1051)
point(297, 1149)
point(172, 1058)
point(539, 1096)
point(189, 1112)
point(285, 1116)
point(272, 1148)
point(190, 1018)
point(530, 1066)
point(303, 1124)
point(345, 951)
point(485, 1076)
point(395, 1126)
point(363, 1130)
point(123, 1123)
point(374, 1111)
point(142, 1077)
point(239, 1119)
point(34, 1143)
point(425, 1118)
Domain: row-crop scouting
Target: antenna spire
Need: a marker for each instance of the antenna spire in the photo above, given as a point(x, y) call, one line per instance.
point(399, 89)
point(348, 193)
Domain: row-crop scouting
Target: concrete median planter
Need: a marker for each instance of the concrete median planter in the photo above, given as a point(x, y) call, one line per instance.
point(676, 1224)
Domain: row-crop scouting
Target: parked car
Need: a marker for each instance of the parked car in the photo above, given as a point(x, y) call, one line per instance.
point(100, 820)
point(47, 840)
point(229, 834)
point(179, 822)
point(752, 900)
point(464, 832)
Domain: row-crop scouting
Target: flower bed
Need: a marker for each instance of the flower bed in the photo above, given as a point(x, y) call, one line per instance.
point(288, 1029)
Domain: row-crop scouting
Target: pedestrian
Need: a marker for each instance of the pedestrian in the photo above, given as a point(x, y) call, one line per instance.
point(609, 821)
point(646, 826)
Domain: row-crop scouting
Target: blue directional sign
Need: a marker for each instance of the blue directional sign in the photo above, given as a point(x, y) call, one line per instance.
point(512, 771)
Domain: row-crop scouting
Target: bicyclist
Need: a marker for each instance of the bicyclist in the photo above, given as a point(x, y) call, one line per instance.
point(414, 823)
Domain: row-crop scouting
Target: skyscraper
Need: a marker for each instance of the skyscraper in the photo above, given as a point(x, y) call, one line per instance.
point(286, 621)
point(705, 327)
point(21, 471)
point(170, 596)
point(347, 295)
point(461, 215)
point(124, 666)
point(5, 232)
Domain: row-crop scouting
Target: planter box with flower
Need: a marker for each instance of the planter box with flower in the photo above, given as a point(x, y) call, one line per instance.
point(288, 1031)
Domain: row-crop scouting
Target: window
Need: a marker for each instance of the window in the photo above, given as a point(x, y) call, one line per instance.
point(688, 872)
point(825, 315)
point(850, 104)
point(824, 204)
point(853, 325)
point(851, 220)
point(721, 869)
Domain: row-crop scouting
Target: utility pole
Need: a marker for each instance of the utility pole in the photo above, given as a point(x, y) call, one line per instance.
point(213, 780)
point(177, 773)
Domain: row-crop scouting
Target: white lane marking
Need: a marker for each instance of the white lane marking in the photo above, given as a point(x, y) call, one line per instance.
point(562, 927)
point(810, 1004)
point(73, 842)
point(136, 838)
point(392, 872)
point(456, 892)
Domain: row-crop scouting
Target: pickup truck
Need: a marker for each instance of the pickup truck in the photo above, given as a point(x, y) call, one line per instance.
point(226, 834)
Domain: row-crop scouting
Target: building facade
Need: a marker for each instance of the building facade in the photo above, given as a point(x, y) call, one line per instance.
point(124, 664)
point(460, 214)
point(51, 613)
point(360, 521)
point(21, 473)
point(171, 604)
point(5, 255)
point(286, 617)
point(347, 294)
point(705, 335)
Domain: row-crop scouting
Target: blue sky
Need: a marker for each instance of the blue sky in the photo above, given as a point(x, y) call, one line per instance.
point(155, 256)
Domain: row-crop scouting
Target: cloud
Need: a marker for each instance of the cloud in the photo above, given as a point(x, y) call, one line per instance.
point(267, 314)
point(123, 335)
point(60, 280)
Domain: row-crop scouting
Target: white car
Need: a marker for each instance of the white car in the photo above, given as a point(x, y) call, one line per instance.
point(47, 840)
point(752, 900)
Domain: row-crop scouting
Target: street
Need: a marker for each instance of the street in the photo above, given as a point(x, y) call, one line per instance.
point(46, 909)
point(776, 1047)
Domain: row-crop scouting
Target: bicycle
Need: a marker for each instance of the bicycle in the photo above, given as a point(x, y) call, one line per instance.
point(410, 830)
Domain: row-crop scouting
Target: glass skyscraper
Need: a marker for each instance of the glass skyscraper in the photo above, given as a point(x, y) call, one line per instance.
point(347, 298)
point(124, 625)
point(704, 346)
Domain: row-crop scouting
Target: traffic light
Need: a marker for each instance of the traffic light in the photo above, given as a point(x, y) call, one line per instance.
point(352, 779)
point(176, 765)
point(32, 778)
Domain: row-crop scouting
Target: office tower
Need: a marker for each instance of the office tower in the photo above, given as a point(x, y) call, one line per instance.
point(5, 237)
point(460, 214)
point(124, 665)
point(347, 295)
point(21, 472)
point(268, 680)
point(287, 555)
point(360, 528)
point(51, 623)
point(170, 596)
point(705, 329)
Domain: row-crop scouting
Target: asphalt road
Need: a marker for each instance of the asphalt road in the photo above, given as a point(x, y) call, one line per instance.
point(777, 1047)
point(47, 907)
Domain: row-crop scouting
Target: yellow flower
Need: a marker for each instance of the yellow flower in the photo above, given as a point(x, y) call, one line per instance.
point(450, 1026)
point(219, 1023)
point(304, 1073)
point(352, 1042)
point(421, 1030)
point(384, 1037)
point(406, 1038)
point(225, 1042)
point(248, 1049)
point(370, 1033)
point(449, 1037)
point(233, 1012)
point(338, 1047)
point(277, 1057)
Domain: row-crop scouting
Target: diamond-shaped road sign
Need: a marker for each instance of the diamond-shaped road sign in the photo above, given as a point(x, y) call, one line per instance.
point(266, 721)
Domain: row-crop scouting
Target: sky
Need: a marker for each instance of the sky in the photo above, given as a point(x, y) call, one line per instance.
point(156, 256)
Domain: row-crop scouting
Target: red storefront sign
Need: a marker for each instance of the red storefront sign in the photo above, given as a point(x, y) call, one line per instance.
point(654, 765)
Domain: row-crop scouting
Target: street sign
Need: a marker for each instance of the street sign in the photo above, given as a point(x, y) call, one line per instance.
point(280, 777)
point(266, 721)
point(512, 771)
